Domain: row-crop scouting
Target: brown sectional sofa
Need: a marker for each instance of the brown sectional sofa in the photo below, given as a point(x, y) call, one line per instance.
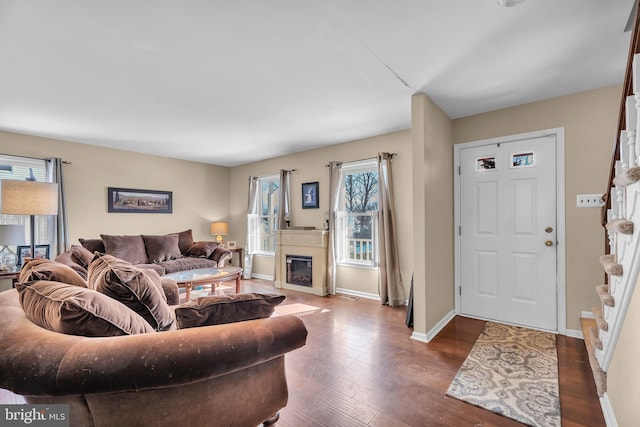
point(165, 254)
point(91, 344)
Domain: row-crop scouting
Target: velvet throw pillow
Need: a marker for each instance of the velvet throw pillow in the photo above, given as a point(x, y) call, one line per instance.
point(202, 249)
point(185, 240)
point(92, 245)
point(219, 309)
point(81, 255)
point(161, 248)
point(127, 248)
point(45, 269)
point(138, 289)
point(73, 310)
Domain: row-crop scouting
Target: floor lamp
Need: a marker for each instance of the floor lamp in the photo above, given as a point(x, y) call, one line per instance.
point(29, 198)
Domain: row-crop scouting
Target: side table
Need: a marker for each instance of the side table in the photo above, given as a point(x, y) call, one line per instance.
point(13, 275)
point(240, 252)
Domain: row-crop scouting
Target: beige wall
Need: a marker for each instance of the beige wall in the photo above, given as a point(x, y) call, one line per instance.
point(590, 121)
point(200, 191)
point(624, 371)
point(432, 147)
point(310, 167)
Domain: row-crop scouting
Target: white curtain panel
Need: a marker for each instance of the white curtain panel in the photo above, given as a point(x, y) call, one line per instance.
point(253, 222)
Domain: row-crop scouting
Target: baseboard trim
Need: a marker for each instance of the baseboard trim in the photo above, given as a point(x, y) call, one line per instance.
point(607, 411)
point(587, 314)
point(261, 276)
point(435, 330)
point(574, 334)
point(358, 294)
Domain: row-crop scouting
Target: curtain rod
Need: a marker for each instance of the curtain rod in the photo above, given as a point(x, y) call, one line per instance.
point(271, 174)
point(29, 157)
point(362, 160)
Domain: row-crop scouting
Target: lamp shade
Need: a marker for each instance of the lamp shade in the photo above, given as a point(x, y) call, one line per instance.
point(220, 228)
point(11, 235)
point(29, 198)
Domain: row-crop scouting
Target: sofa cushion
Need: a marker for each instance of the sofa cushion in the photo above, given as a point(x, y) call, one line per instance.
point(202, 249)
point(127, 248)
point(138, 289)
point(187, 263)
point(81, 255)
point(185, 240)
point(73, 310)
point(69, 260)
point(45, 269)
point(219, 309)
point(92, 245)
point(161, 248)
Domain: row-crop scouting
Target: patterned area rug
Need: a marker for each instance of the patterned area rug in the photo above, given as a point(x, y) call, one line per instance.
point(513, 372)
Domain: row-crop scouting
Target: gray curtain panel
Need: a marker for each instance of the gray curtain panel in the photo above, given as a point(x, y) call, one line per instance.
point(53, 169)
point(284, 198)
point(335, 178)
point(389, 278)
point(252, 227)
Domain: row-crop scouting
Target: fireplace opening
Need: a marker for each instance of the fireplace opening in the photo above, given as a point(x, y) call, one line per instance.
point(299, 270)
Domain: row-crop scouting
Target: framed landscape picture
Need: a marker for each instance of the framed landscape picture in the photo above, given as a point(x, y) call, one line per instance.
point(310, 195)
point(139, 201)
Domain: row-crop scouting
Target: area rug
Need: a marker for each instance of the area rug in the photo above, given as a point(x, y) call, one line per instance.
point(297, 309)
point(513, 372)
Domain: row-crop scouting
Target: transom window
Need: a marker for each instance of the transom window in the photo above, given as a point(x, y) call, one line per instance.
point(357, 217)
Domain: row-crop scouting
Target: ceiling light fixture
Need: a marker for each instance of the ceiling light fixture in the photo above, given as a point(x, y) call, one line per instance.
point(509, 3)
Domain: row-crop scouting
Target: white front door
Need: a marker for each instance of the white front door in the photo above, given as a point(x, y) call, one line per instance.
point(508, 232)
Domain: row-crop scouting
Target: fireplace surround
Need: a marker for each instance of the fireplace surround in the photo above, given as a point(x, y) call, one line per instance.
point(310, 246)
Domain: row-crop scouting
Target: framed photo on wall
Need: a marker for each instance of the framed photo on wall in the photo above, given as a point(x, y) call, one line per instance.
point(310, 195)
point(139, 201)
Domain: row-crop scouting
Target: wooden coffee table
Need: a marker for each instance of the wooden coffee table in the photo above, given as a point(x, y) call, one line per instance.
point(206, 276)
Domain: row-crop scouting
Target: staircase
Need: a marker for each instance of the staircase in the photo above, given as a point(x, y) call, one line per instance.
point(621, 219)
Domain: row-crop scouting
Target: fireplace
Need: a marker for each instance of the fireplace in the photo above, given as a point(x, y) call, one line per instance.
point(299, 270)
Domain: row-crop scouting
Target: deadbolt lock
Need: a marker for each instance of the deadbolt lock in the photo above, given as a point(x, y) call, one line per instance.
point(548, 243)
point(549, 229)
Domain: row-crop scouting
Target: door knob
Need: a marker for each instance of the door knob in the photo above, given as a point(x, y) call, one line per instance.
point(548, 243)
point(549, 229)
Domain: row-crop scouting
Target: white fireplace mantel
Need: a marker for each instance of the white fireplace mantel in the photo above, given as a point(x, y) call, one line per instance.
point(311, 243)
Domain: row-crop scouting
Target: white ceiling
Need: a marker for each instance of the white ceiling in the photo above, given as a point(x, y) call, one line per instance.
point(231, 82)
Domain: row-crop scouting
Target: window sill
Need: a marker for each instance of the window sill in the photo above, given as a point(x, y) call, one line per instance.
point(266, 254)
point(354, 265)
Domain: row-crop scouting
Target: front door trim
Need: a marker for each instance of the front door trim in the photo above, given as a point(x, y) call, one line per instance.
point(560, 212)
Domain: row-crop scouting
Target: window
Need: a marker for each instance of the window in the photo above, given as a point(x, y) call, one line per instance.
point(21, 168)
point(268, 196)
point(357, 218)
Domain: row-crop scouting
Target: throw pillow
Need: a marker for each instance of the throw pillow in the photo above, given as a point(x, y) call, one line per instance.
point(92, 245)
point(202, 249)
point(185, 240)
point(73, 310)
point(219, 309)
point(45, 269)
point(81, 255)
point(162, 248)
point(138, 289)
point(128, 248)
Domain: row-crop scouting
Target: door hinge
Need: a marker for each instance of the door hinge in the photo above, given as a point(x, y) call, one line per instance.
point(459, 170)
point(459, 230)
point(460, 290)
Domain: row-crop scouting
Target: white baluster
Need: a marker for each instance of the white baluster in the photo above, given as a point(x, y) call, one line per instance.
point(636, 126)
point(619, 193)
point(624, 151)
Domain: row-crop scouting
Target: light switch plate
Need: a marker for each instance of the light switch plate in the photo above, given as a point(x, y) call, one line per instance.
point(589, 200)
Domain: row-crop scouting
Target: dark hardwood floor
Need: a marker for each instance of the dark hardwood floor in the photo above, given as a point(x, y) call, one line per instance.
point(360, 368)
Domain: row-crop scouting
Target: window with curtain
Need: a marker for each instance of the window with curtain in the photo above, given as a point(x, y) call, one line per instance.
point(268, 208)
point(357, 216)
point(24, 168)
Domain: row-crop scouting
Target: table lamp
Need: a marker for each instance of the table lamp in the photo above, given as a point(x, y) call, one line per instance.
point(29, 198)
point(220, 229)
point(13, 235)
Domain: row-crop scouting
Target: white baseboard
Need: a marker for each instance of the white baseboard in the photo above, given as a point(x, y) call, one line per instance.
point(607, 411)
point(574, 334)
point(587, 315)
point(435, 330)
point(358, 294)
point(261, 276)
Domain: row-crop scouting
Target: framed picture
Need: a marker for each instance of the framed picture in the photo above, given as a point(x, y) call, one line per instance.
point(139, 201)
point(231, 244)
point(310, 195)
point(42, 252)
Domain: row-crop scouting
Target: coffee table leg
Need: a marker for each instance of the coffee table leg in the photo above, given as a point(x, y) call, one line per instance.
point(187, 293)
